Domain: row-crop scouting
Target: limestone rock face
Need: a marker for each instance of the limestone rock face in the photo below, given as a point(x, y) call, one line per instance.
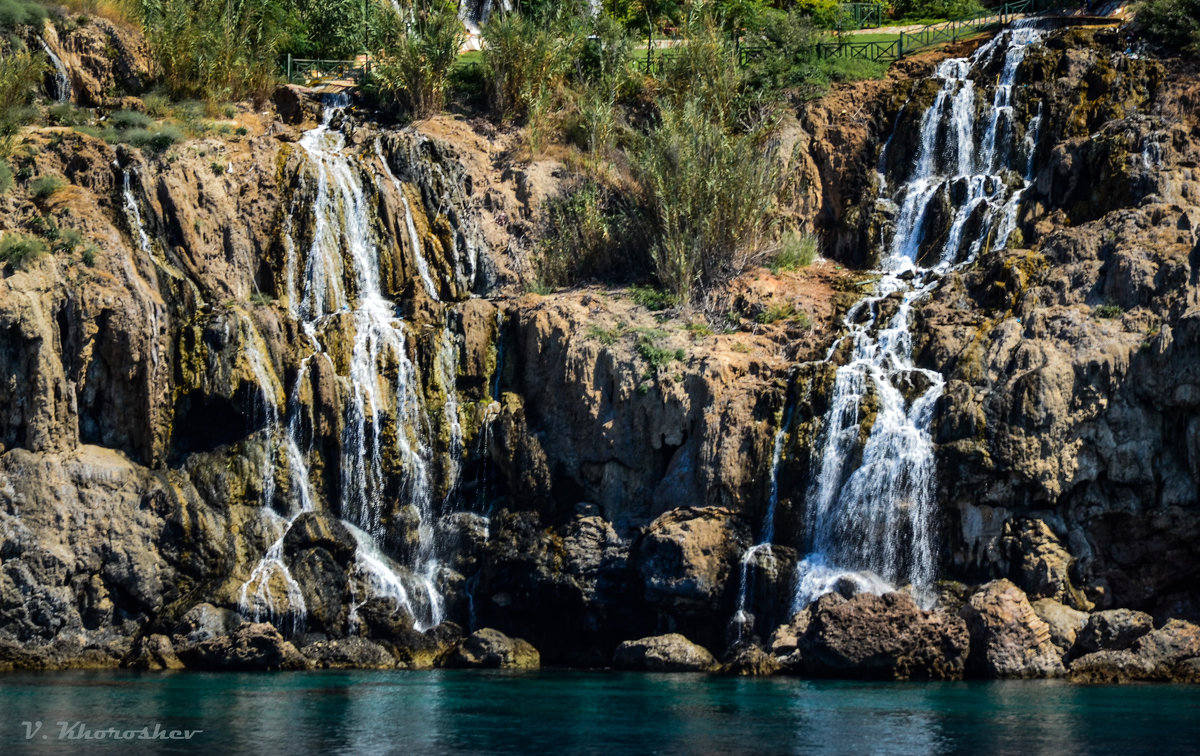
point(664, 653)
point(492, 649)
point(1007, 637)
point(688, 555)
point(882, 637)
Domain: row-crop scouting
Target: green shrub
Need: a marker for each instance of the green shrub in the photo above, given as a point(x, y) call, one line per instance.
point(522, 61)
point(154, 140)
point(20, 76)
point(587, 232)
point(777, 311)
point(14, 13)
point(6, 177)
point(709, 196)
point(44, 187)
point(1172, 22)
point(129, 119)
point(415, 70)
point(653, 299)
point(1108, 311)
point(649, 348)
point(19, 250)
point(935, 9)
point(789, 59)
point(795, 251)
point(157, 105)
point(214, 49)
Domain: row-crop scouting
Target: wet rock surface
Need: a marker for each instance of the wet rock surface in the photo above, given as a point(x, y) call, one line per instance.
point(492, 649)
point(881, 637)
point(580, 491)
point(664, 653)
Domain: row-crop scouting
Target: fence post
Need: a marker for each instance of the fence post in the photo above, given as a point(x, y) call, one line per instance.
point(289, 69)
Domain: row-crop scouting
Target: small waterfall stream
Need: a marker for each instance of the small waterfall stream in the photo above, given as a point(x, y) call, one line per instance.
point(871, 522)
point(63, 91)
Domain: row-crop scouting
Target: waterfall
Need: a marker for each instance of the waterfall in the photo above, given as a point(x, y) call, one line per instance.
point(63, 91)
point(742, 619)
point(871, 520)
point(341, 283)
point(413, 239)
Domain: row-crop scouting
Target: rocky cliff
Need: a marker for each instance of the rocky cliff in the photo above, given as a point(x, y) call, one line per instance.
point(295, 382)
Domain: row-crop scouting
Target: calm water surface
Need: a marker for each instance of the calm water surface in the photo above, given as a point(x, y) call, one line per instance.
point(605, 713)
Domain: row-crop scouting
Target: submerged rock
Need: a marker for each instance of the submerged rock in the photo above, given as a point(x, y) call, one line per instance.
point(664, 653)
point(882, 637)
point(1008, 639)
point(492, 649)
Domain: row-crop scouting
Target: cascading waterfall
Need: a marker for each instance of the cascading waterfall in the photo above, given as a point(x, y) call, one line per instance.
point(410, 226)
point(870, 511)
point(742, 619)
point(62, 81)
point(341, 281)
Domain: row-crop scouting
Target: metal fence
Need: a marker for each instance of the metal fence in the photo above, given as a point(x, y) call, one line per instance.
point(308, 70)
point(933, 34)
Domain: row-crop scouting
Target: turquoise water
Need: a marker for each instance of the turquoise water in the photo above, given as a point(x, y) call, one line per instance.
point(587, 713)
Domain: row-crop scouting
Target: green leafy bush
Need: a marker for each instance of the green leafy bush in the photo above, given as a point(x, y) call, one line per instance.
point(795, 251)
point(19, 250)
point(934, 9)
point(129, 119)
point(6, 177)
point(1172, 22)
point(415, 69)
point(587, 232)
point(709, 196)
point(15, 13)
point(156, 139)
point(44, 187)
point(522, 62)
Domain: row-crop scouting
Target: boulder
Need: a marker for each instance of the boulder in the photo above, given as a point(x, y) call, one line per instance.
point(1008, 639)
point(882, 637)
point(664, 653)
point(492, 649)
point(1112, 630)
point(254, 646)
point(348, 653)
point(784, 643)
point(749, 660)
point(205, 622)
point(1063, 621)
point(154, 652)
point(688, 556)
point(1167, 654)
